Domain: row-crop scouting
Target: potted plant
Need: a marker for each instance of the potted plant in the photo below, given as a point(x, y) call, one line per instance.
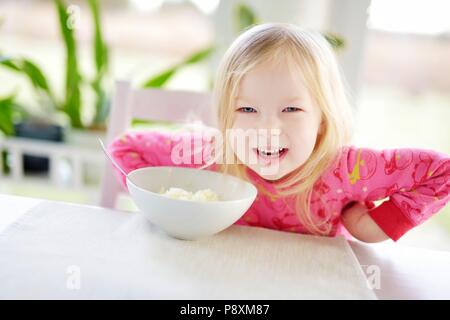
point(56, 117)
point(62, 120)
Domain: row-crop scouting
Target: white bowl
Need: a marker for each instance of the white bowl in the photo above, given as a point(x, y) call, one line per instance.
point(185, 219)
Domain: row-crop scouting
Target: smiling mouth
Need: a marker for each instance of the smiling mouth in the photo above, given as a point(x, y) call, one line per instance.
point(271, 154)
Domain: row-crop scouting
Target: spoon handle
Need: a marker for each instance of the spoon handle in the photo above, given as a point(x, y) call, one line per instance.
point(111, 158)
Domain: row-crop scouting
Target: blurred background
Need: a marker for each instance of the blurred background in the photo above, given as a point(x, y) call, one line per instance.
point(59, 59)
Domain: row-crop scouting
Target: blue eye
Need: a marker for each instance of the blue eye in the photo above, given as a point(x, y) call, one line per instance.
point(246, 110)
point(292, 109)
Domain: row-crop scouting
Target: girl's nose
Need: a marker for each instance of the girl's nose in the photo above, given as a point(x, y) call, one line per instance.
point(270, 123)
point(269, 131)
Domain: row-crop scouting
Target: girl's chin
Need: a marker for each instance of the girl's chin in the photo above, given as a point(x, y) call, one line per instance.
point(267, 174)
point(274, 178)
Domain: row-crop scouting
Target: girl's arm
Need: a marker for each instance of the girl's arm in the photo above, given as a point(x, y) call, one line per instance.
point(360, 225)
point(415, 181)
point(137, 149)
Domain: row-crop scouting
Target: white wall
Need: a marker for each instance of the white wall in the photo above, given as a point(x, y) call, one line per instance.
point(345, 17)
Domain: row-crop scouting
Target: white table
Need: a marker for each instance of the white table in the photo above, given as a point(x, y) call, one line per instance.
point(405, 272)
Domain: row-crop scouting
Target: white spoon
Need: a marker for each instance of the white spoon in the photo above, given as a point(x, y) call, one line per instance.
point(111, 158)
point(123, 171)
point(116, 164)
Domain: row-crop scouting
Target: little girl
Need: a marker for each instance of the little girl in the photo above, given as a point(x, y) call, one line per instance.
point(284, 80)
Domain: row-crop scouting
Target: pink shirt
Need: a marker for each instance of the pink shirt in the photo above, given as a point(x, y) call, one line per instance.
point(415, 181)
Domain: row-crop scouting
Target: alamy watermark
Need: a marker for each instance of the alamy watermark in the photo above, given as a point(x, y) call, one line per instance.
point(373, 276)
point(73, 280)
point(74, 17)
point(245, 143)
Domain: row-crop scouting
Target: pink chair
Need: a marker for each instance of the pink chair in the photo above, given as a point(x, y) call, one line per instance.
point(154, 104)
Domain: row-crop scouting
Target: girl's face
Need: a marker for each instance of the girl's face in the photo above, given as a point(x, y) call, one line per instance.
point(278, 120)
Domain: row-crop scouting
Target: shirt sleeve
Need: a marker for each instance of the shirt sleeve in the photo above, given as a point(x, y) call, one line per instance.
point(137, 149)
point(415, 181)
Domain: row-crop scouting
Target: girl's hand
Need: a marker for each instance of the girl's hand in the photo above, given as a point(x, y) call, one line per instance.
point(360, 225)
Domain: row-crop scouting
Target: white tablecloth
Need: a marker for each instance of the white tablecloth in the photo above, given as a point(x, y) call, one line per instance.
point(66, 251)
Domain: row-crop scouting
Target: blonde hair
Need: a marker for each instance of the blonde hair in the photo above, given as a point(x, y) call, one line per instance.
point(309, 50)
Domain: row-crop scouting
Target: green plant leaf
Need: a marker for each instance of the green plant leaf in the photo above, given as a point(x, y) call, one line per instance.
point(102, 104)
point(100, 48)
point(101, 55)
point(9, 63)
point(6, 115)
point(35, 75)
point(335, 40)
point(161, 78)
point(32, 72)
point(198, 56)
point(30, 69)
point(72, 104)
point(244, 17)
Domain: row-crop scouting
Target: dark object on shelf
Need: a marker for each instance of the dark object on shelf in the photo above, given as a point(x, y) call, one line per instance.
point(39, 131)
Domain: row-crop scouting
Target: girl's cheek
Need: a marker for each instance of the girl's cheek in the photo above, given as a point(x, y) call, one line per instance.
point(305, 127)
point(292, 127)
point(243, 123)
